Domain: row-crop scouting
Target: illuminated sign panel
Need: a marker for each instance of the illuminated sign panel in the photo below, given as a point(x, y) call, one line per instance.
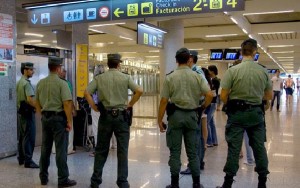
point(150, 35)
point(129, 9)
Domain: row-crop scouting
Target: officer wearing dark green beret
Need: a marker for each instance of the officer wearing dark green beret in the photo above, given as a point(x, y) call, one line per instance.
point(112, 87)
point(183, 89)
point(54, 102)
point(244, 87)
point(26, 114)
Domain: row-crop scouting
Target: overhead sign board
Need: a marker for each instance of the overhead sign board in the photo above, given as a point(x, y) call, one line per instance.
point(110, 10)
point(150, 35)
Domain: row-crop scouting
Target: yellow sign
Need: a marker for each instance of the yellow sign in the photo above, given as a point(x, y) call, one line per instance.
point(147, 8)
point(82, 69)
point(216, 4)
point(145, 38)
point(133, 9)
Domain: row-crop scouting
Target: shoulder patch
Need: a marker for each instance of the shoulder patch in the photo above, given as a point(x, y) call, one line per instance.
point(170, 73)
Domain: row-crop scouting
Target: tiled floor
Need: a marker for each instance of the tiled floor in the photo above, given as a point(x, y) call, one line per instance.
point(148, 164)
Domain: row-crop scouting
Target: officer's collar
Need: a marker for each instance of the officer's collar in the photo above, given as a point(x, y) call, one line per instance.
point(113, 69)
point(53, 74)
point(25, 77)
point(183, 67)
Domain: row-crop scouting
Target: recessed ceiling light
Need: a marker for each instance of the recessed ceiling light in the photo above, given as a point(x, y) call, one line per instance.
point(234, 20)
point(109, 24)
point(153, 51)
point(34, 35)
point(284, 52)
point(223, 35)
point(152, 56)
point(122, 37)
point(273, 12)
point(280, 46)
point(270, 33)
point(285, 57)
point(31, 41)
point(198, 49)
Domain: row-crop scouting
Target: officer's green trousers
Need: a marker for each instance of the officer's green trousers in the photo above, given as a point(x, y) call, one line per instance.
point(106, 127)
point(183, 124)
point(54, 129)
point(252, 121)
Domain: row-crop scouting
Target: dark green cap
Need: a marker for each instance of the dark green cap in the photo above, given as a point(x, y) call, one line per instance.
point(114, 57)
point(182, 51)
point(55, 61)
point(251, 42)
point(27, 65)
point(194, 52)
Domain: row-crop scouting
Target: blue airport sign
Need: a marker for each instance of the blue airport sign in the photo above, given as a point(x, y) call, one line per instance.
point(109, 10)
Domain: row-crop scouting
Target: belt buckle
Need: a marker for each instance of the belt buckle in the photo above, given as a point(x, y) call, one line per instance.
point(114, 112)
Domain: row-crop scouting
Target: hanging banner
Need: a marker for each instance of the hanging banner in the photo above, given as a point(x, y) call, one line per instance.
point(82, 69)
point(97, 11)
point(6, 37)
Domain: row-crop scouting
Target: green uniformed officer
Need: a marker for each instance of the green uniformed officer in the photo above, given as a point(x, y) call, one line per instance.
point(112, 87)
point(54, 102)
point(244, 87)
point(183, 88)
point(26, 126)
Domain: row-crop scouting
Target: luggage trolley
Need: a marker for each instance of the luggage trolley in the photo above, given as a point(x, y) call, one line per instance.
point(87, 143)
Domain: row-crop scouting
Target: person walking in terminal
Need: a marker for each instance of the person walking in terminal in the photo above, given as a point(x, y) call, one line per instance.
point(183, 88)
point(112, 87)
point(289, 85)
point(26, 117)
point(203, 121)
point(277, 88)
point(244, 87)
point(54, 102)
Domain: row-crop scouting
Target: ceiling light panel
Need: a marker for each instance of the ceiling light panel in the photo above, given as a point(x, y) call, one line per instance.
point(34, 35)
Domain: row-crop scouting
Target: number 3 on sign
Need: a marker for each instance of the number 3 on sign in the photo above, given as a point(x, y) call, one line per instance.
point(197, 6)
point(232, 3)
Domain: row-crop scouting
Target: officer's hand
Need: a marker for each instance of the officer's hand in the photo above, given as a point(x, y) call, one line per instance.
point(69, 127)
point(162, 127)
point(95, 108)
point(267, 106)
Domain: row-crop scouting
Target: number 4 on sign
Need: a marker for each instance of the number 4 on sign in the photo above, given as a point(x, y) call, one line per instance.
point(232, 3)
point(197, 6)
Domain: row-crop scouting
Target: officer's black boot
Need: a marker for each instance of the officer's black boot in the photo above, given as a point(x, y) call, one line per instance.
point(262, 181)
point(228, 180)
point(196, 182)
point(174, 182)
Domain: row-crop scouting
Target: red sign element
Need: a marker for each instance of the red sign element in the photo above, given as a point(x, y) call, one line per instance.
point(103, 12)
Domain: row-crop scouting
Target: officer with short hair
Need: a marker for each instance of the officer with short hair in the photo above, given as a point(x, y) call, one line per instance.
point(244, 87)
point(112, 87)
point(183, 88)
point(26, 126)
point(54, 102)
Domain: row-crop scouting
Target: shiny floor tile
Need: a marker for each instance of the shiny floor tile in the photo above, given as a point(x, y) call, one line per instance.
point(148, 157)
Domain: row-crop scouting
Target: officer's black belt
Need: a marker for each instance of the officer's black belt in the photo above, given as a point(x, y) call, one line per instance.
point(185, 110)
point(242, 104)
point(115, 111)
point(53, 113)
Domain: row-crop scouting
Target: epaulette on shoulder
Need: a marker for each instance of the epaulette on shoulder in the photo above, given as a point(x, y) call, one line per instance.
point(170, 73)
point(262, 65)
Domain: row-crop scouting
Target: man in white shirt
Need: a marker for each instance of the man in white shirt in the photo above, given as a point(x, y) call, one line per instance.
point(277, 87)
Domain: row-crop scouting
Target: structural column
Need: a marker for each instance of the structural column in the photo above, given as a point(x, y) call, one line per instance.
point(174, 40)
point(8, 107)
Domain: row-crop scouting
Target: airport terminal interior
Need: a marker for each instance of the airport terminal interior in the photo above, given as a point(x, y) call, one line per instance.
point(213, 28)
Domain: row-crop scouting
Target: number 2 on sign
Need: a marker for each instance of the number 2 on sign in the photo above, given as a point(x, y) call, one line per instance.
point(197, 6)
point(232, 3)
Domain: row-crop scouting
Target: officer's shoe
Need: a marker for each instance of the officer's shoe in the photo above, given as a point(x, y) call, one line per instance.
point(31, 165)
point(197, 185)
point(186, 171)
point(94, 186)
point(44, 182)
point(172, 186)
point(262, 182)
point(67, 183)
point(228, 180)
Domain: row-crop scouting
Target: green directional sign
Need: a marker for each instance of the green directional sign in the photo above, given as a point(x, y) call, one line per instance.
point(109, 10)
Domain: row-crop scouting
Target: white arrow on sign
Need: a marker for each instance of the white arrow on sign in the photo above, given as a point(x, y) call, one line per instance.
point(34, 20)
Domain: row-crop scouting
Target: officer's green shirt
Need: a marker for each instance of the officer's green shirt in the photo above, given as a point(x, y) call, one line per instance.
point(247, 81)
point(24, 90)
point(112, 87)
point(51, 92)
point(184, 87)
